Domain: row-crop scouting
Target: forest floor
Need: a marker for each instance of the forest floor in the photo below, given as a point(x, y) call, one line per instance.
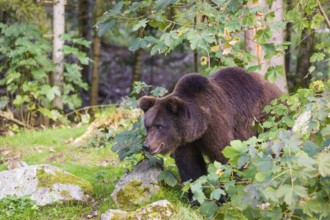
point(100, 166)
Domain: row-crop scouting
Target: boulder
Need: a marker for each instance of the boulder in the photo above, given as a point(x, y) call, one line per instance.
point(114, 214)
point(159, 210)
point(137, 186)
point(45, 184)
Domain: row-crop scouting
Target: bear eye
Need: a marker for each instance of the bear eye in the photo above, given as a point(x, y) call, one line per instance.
point(158, 126)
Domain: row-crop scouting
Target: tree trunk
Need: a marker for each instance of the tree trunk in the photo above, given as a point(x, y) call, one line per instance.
point(94, 92)
point(58, 55)
point(137, 69)
point(95, 74)
point(86, 30)
point(288, 39)
point(251, 45)
point(303, 62)
point(277, 38)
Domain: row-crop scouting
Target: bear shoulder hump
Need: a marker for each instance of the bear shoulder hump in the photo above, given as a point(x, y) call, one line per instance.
point(191, 84)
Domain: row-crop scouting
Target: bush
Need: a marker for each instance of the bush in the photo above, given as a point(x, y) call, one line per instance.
point(282, 174)
point(25, 65)
point(12, 207)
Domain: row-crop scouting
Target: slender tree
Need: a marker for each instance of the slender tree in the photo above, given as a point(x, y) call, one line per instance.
point(96, 57)
point(58, 55)
point(86, 32)
point(277, 38)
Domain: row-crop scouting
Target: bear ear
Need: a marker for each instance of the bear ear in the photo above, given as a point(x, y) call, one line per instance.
point(175, 105)
point(146, 102)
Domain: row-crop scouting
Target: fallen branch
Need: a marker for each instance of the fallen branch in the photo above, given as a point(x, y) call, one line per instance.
point(18, 122)
point(323, 13)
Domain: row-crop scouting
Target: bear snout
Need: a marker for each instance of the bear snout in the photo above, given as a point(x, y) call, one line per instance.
point(146, 146)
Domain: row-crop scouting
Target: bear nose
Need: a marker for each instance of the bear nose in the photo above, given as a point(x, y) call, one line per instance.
point(145, 146)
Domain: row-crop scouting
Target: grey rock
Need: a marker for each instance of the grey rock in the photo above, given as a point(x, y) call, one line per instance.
point(137, 186)
point(160, 210)
point(114, 214)
point(45, 184)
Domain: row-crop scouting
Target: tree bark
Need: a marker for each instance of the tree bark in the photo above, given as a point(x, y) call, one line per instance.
point(58, 55)
point(251, 45)
point(288, 39)
point(95, 73)
point(94, 92)
point(137, 69)
point(86, 30)
point(303, 62)
point(277, 38)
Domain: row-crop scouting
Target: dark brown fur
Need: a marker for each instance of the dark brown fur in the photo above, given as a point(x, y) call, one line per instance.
point(202, 115)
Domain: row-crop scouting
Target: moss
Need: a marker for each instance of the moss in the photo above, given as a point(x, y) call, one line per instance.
point(66, 194)
point(47, 180)
point(133, 194)
point(153, 212)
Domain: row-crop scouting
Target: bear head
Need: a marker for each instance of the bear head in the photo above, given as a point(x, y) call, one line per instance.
point(169, 124)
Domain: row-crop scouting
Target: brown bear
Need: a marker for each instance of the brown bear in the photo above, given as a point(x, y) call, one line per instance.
point(202, 115)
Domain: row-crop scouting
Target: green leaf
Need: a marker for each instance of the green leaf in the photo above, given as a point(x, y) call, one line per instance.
point(50, 92)
point(137, 44)
point(304, 160)
point(105, 27)
point(316, 57)
point(253, 68)
point(263, 35)
point(310, 7)
point(200, 40)
point(249, 19)
point(216, 194)
point(317, 21)
point(164, 3)
point(325, 131)
point(20, 100)
point(208, 208)
point(141, 24)
point(168, 177)
point(218, 2)
point(269, 49)
point(159, 91)
point(234, 151)
point(323, 161)
point(291, 193)
point(198, 194)
point(3, 102)
point(270, 16)
point(273, 72)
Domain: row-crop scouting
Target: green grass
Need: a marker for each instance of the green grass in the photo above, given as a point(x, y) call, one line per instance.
point(50, 147)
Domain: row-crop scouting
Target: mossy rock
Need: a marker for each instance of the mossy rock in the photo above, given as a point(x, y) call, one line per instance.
point(160, 210)
point(114, 214)
point(44, 184)
point(133, 194)
point(136, 187)
point(48, 179)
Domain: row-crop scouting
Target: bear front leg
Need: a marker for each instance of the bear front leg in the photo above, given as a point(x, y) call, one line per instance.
point(190, 162)
point(191, 165)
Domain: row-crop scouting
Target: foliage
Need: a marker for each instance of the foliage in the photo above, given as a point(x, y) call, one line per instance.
point(22, 11)
point(213, 28)
point(284, 173)
point(128, 143)
point(13, 207)
point(25, 65)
